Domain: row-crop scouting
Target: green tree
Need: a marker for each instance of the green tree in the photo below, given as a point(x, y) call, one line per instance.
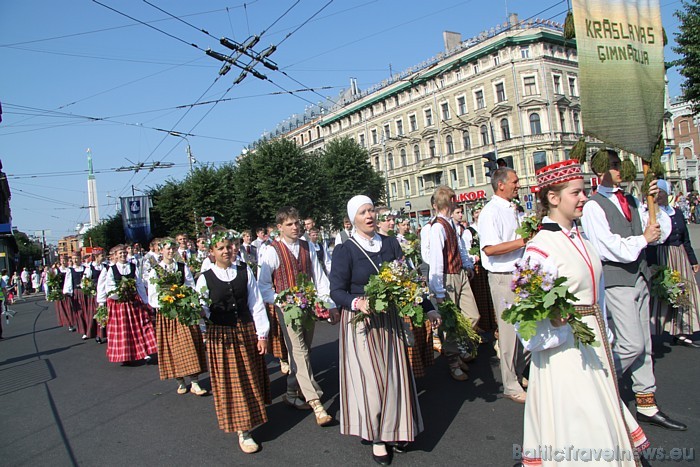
point(106, 234)
point(29, 250)
point(688, 46)
point(345, 165)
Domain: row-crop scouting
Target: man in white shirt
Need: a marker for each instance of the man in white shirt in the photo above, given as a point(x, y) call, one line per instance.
point(450, 271)
point(501, 248)
point(344, 234)
point(425, 241)
point(280, 264)
point(614, 224)
point(183, 249)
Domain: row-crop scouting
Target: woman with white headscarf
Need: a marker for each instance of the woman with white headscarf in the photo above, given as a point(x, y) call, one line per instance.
point(676, 253)
point(378, 399)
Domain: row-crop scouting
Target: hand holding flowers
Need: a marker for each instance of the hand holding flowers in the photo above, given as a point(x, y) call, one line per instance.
point(300, 304)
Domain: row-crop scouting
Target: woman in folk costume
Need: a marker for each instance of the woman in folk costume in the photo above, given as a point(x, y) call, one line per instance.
point(130, 333)
point(572, 399)
point(236, 342)
point(65, 310)
point(676, 253)
point(92, 272)
point(73, 287)
point(180, 347)
point(378, 399)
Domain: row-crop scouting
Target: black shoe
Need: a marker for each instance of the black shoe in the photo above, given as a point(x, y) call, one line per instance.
point(685, 341)
point(98, 340)
point(399, 447)
point(662, 420)
point(382, 460)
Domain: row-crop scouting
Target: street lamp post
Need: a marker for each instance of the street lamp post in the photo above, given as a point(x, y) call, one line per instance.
point(386, 170)
point(191, 160)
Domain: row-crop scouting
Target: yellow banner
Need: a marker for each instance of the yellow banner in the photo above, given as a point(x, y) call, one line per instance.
point(621, 71)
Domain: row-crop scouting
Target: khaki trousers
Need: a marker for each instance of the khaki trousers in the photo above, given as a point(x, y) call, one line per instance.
point(301, 376)
point(513, 358)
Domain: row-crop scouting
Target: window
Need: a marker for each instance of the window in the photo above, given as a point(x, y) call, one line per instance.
point(428, 117)
point(562, 121)
point(505, 129)
point(407, 188)
point(421, 185)
point(479, 98)
point(524, 52)
point(396, 101)
point(484, 135)
point(461, 105)
point(540, 159)
point(374, 136)
point(376, 163)
point(449, 145)
point(496, 60)
point(413, 122)
point(445, 109)
point(557, 84)
point(390, 161)
point(535, 125)
point(399, 127)
point(500, 92)
point(577, 123)
point(458, 74)
point(530, 85)
point(393, 191)
point(384, 106)
point(572, 86)
point(416, 152)
point(476, 68)
point(466, 140)
point(454, 183)
point(470, 176)
point(404, 160)
point(387, 131)
point(431, 148)
point(362, 140)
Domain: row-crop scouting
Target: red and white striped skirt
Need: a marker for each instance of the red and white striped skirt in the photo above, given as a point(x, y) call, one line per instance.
point(130, 333)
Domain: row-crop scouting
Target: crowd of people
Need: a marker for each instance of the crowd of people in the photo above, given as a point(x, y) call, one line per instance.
point(599, 243)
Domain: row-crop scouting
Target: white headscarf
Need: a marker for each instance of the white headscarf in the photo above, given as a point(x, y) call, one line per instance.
point(354, 205)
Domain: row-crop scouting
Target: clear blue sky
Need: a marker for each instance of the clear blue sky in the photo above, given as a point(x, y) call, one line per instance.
point(67, 63)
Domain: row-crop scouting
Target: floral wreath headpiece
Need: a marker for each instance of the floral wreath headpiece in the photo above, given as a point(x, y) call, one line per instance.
point(167, 241)
point(222, 235)
point(478, 206)
point(386, 215)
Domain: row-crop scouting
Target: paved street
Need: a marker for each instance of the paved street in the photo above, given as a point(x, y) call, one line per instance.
point(62, 404)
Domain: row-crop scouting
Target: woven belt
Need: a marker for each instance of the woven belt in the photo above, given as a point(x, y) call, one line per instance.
point(586, 310)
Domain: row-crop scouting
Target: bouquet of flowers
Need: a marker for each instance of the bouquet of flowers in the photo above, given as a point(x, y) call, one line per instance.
point(53, 281)
point(126, 290)
point(668, 285)
point(396, 286)
point(101, 316)
point(539, 296)
point(411, 248)
point(528, 227)
point(300, 305)
point(176, 300)
point(195, 264)
point(456, 324)
point(88, 287)
point(475, 249)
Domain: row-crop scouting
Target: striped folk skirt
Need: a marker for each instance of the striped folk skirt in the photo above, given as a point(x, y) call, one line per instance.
point(420, 355)
point(180, 348)
point(276, 337)
point(130, 333)
point(676, 321)
point(239, 379)
point(95, 330)
point(82, 316)
point(378, 399)
point(64, 312)
point(482, 294)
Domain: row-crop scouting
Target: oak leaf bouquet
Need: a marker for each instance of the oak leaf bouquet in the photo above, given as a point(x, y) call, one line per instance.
point(398, 287)
point(668, 285)
point(53, 282)
point(540, 295)
point(101, 316)
point(176, 300)
point(455, 324)
point(300, 304)
point(88, 287)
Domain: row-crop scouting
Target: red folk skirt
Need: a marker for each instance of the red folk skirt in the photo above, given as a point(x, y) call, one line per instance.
point(239, 378)
point(130, 333)
point(276, 338)
point(82, 314)
point(64, 311)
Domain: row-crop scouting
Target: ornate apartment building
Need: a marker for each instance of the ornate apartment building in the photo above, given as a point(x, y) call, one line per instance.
point(512, 91)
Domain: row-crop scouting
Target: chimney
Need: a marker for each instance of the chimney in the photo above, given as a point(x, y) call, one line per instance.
point(513, 20)
point(451, 39)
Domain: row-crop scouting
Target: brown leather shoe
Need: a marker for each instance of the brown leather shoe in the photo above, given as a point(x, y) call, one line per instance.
point(295, 402)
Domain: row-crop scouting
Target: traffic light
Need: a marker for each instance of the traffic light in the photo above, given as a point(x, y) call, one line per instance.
point(490, 163)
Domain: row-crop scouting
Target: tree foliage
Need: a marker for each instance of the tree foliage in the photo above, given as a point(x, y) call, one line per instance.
point(106, 234)
point(29, 250)
point(278, 173)
point(688, 40)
